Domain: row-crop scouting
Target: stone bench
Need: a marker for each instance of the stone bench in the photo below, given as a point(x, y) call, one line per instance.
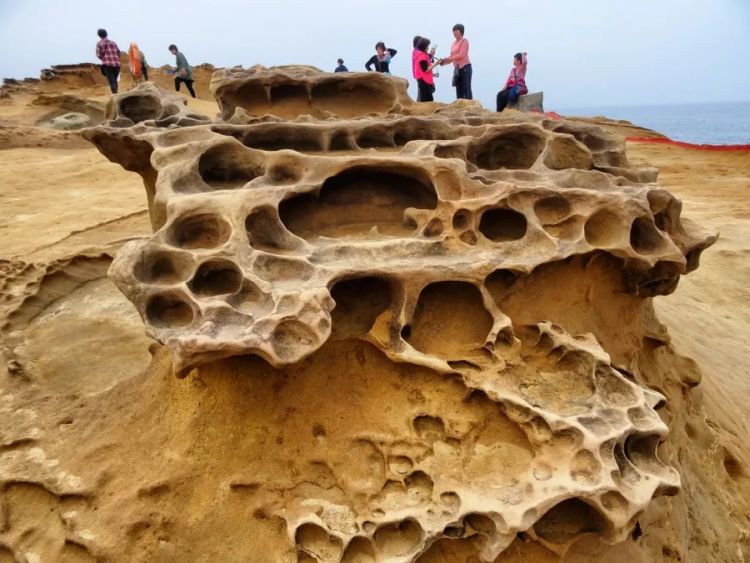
point(529, 102)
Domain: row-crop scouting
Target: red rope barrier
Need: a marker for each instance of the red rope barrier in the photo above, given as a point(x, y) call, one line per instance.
point(666, 141)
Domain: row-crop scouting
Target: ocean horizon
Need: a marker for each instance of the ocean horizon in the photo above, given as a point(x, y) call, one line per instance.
point(721, 123)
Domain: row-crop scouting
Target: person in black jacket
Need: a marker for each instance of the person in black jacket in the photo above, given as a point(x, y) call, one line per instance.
point(381, 59)
point(341, 67)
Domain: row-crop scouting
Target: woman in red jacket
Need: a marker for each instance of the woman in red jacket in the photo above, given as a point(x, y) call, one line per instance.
point(423, 70)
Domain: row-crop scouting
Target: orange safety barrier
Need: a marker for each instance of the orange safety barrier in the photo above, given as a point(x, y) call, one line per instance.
point(667, 141)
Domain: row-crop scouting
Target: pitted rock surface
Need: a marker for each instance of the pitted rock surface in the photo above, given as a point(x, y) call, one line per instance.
point(320, 209)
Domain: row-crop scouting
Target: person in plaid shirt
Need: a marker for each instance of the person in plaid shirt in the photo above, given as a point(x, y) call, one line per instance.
point(108, 52)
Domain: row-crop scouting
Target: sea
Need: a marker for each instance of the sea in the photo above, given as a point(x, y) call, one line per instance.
point(723, 123)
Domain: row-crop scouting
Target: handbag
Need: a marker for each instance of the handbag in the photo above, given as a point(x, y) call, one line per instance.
point(454, 82)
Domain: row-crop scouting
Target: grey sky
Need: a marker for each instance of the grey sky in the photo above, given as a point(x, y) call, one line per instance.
point(581, 52)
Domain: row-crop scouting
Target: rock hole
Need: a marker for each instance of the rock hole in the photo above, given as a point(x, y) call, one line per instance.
point(162, 267)
point(502, 225)
point(433, 228)
point(251, 300)
point(227, 167)
point(359, 302)
point(354, 202)
point(641, 451)
point(318, 431)
point(429, 428)
point(292, 340)
point(569, 519)
point(566, 152)
point(200, 231)
point(451, 501)
point(419, 484)
point(140, 108)
point(552, 210)
point(450, 151)
point(461, 219)
point(284, 174)
point(265, 232)
point(399, 465)
point(350, 97)
point(279, 136)
point(398, 539)
point(644, 237)
point(406, 332)
point(637, 532)
point(318, 543)
point(602, 229)
point(342, 142)
point(168, 311)
point(512, 150)
point(359, 550)
point(733, 466)
point(454, 308)
point(375, 137)
point(469, 237)
point(217, 277)
point(480, 523)
point(499, 283)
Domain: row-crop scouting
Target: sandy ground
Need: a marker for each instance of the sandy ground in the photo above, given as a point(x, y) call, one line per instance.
point(709, 314)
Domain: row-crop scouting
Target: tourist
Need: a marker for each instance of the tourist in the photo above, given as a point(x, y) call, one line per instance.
point(183, 73)
point(135, 63)
point(108, 52)
point(381, 59)
point(144, 65)
point(423, 66)
point(341, 67)
point(414, 54)
point(515, 85)
point(461, 63)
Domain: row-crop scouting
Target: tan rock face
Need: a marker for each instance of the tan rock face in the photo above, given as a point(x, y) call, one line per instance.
point(476, 285)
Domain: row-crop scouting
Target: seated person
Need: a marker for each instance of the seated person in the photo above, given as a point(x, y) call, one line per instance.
point(515, 85)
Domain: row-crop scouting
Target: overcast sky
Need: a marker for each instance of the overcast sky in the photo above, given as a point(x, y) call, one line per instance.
point(581, 52)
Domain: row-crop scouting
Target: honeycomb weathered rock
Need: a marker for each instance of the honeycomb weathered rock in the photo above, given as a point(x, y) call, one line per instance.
point(426, 235)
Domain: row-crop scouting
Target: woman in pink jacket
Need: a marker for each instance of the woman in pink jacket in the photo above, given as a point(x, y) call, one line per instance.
point(515, 85)
point(461, 63)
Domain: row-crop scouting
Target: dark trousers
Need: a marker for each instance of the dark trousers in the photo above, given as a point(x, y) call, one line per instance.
point(111, 73)
point(144, 69)
point(463, 83)
point(188, 83)
point(508, 95)
point(424, 93)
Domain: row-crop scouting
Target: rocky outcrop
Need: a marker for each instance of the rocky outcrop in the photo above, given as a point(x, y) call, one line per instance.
point(290, 91)
point(450, 308)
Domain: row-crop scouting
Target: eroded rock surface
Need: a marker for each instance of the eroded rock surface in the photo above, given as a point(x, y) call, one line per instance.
point(485, 278)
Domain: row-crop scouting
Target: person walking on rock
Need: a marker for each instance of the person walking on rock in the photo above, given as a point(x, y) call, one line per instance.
point(183, 73)
point(423, 66)
point(341, 67)
point(461, 64)
point(515, 86)
point(108, 52)
point(381, 59)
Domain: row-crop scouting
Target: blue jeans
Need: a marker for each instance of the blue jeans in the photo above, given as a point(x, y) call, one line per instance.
point(509, 95)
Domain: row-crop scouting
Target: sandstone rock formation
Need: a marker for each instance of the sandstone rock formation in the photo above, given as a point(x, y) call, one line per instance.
point(459, 254)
